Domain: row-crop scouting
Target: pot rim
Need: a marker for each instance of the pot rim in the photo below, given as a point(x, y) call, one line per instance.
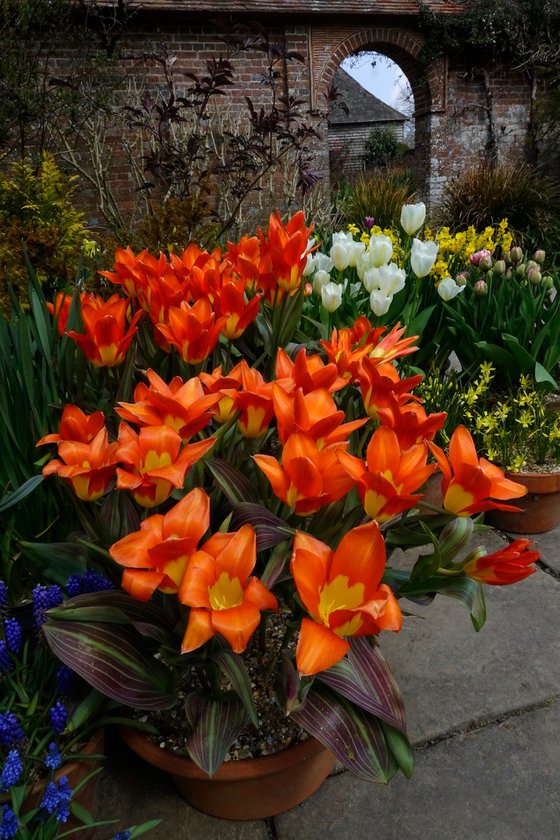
point(230, 770)
point(537, 482)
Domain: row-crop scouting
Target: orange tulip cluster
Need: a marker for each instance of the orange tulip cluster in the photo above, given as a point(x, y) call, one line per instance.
point(306, 431)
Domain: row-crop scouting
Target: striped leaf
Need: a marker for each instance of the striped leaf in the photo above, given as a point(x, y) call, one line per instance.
point(216, 725)
point(112, 659)
point(234, 668)
point(352, 734)
point(236, 487)
point(269, 529)
point(364, 678)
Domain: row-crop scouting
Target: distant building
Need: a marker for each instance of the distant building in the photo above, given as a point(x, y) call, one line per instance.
point(349, 129)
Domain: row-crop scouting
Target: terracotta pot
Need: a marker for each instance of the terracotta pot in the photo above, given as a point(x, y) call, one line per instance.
point(76, 771)
point(540, 507)
point(249, 789)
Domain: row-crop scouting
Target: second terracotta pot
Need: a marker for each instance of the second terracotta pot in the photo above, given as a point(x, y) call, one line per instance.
point(249, 789)
point(540, 508)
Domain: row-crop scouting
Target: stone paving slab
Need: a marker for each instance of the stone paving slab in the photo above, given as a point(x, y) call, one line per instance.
point(549, 546)
point(495, 783)
point(133, 792)
point(450, 675)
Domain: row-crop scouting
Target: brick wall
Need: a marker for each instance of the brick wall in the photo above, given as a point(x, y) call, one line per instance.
point(451, 117)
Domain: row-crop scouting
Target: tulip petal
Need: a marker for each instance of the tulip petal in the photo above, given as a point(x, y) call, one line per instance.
point(199, 630)
point(239, 555)
point(237, 624)
point(361, 557)
point(141, 584)
point(318, 648)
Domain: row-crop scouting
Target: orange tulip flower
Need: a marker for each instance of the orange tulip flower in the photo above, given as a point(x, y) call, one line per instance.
point(316, 414)
point(392, 345)
point(410, 421)
point(154, 463)
point(156, 556)
point(105, 342)
point(226, 388)
point(181, 405)
point(387, 484)
point(60, 310)
point(193, 330)
point(245, 257)
point(284, 251)
point(131, 270)
point(160, 293)
point(253, 401)
point(88, 467)
point(221, 593)
point(306, 372)
point(75, 425)
point(379, 381)
point(308, 477)
point(508, 565)
point(471, 484)
point(231, 304)
point(342, 592)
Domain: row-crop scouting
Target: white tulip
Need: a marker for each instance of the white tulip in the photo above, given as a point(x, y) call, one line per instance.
point(340, 255)
point(413, 217)
point(423, 256)
point(389, 279)
point(363, 264)
point(380, 302)
point(309, 267)
point(380, 249)
point(342, 236)
point(356, 250)
point(331, 295)
point(448, 288)
point(322, 261)
point(321, 279)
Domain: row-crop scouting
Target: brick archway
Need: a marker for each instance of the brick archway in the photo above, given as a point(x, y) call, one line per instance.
point(403, 46)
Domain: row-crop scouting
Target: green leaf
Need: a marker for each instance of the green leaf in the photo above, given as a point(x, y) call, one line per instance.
point(113, 659)
point(236, 487)
point(495, 354)
point(16, 496)
point(216, 725)
point(542, 376)
point(233, 667)
point(525, 361)
point(400, 748)
point(352, 734)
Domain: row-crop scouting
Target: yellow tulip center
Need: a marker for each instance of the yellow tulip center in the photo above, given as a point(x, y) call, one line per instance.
point(108, 354)
point(339, 595)
point(457, 500)
point(373, 503)
point(253, 427)
point(156, 460)
point(226, 593)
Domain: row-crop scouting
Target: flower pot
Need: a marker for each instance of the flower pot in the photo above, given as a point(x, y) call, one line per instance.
point(249, 789)
point(540, 507)
point(75, 771)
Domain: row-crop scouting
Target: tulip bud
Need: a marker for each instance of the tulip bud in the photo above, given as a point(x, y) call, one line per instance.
point(331, 296)
point(307, 290)
point(516, 254)
point(485, 263)
point(509, 274)
point(423, 256)
point(499, 268)
point(369, 222)
point(507, 258)
point(534, 276)
point(321, 279)
point(413, 217)
point(380, 250)
point(480, 288)
point(530, 264)
point(462, 278)
point(521, 270)
point(548, 282)
point(539, 256)
point(340, 255)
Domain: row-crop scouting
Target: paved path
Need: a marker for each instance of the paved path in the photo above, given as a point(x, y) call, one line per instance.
point(484, 716)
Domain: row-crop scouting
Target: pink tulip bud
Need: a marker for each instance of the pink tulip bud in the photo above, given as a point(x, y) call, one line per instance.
point(481, 288)
point(516, 254)
point(485, 263)
point(534, 276)
point(539, 256)
point(499, 268)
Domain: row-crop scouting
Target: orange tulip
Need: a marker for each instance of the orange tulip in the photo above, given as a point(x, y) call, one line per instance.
point(226, 388)
point(253, 401)
point(193, 330)
point(181, 405)
point(316, 414)
point(508, 565)
point(105, 342)
point(245, 257)
point(284, 253)
point(386, 484)
point(379, 381)
point(154, 463)
point(60, 310)
point(308, 477)
point(156, 556)
point(88, 467)
point(342, 592)
point(75, 425)
point(131, 270)
point(307, 373)
point(392, 345)
point(222, 595)
point(231, 304)
point(410, 421)
point(471, 484)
